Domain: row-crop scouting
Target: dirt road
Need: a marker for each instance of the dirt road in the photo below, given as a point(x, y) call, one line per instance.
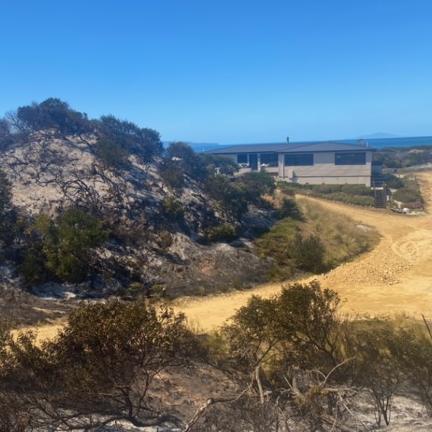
point(394, 278)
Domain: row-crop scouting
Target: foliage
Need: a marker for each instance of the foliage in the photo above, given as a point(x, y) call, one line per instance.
point(53, 114)
point(111, 153)
point(100, 367)
point(173, 209)
point(348, 194)
point(6, 137)
point(8, 217)
point(374, 366)
point(172, 174)
point(218, 164)
point(187, 160)
point(413, 356)
point(308, 253)
point(62, 247)
point(141, 142)
point(300, 325)
point(409, 195)
point(255, 185)
point(228, 194)
point(341, 237)
point(222, 232)
point(289, 209)
point(393, 182)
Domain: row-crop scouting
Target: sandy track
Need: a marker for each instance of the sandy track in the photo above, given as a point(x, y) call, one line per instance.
point(394, 278)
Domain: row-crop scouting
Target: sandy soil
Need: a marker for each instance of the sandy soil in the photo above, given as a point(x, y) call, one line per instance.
point(394, 278)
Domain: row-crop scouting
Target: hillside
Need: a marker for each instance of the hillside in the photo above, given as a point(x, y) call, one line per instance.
point(161, 215)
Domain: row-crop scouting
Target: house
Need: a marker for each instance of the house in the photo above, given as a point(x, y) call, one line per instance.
point(306, 162)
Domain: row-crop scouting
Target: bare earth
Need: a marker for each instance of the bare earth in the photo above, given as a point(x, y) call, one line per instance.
point(394, 278)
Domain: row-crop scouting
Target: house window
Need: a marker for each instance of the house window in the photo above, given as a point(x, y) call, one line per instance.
point(300, 159)
point(242, 158)
point(350, 158)
point(269, 159)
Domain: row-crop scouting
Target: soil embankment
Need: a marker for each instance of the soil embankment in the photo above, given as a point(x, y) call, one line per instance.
point(394, 278)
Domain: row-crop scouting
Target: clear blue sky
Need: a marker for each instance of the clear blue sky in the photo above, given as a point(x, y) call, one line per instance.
point(226, 71)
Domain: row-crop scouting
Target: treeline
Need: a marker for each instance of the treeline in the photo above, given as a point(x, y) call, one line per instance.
point(296, 365)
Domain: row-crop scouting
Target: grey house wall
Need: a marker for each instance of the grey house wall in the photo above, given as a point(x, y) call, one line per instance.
point(323, 171)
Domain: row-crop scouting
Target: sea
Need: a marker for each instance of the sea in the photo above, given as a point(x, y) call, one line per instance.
point(405, 142)
point(377, 143)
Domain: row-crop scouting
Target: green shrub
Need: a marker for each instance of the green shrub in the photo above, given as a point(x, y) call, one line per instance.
point(255, 185)
point(172, 173)
point(172, 208)
point(289, 208)
point(53, 114)
point(409, 195)
point(62, 247)
point(223, 232)
point(111, 154)
point(393, 181)
point(308, 253)
point(141, 142)
point(8, 217)
point(228, 194)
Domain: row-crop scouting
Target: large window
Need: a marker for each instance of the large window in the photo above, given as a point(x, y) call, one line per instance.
point(269, 159)
point(299, 159)
point(242, 158)
point(350, 158)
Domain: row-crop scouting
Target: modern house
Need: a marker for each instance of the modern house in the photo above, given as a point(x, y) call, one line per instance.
point(306, 162)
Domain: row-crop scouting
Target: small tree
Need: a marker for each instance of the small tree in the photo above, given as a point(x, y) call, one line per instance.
point(101, 367)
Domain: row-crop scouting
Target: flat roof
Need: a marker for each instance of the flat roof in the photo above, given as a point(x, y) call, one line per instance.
point(295, 147)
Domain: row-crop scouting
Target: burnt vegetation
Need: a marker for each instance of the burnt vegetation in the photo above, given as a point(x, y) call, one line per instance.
point(291, 361)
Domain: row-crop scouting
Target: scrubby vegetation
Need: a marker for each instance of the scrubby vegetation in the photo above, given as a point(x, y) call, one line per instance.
point(290, 362)
point(313, 241)
point(409, 194)
point(62, 248)
point(348, 194)
point(397, 158)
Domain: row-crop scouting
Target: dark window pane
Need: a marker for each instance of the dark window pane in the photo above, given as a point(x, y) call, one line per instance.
point(270, 159)
point(350, 158)
point(300, 159)
point(242, 158)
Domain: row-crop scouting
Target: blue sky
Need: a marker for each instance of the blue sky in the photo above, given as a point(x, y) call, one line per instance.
point(226, 71)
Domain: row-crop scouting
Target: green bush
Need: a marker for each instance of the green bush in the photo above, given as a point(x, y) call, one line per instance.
point(308, 253)
point(141, 142)
point(409, 195)
point(255, 185)
point(223, 232)
point(172, 173)
point(61, 248)
point(289, 208)
point(173, 209)
point(53, 114)
point(8, 217)
point(393, 181)
point(228, 194)
point(111, 154)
